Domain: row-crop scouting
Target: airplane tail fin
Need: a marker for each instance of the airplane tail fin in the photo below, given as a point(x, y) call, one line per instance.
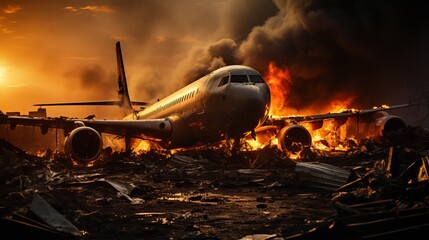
point(123, 101)
point(124, 98)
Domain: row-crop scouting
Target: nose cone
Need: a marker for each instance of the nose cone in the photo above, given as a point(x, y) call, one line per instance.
point(249, 107)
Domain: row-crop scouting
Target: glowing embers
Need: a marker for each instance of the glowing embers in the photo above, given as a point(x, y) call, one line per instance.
point(265, 136)
point(142, 146)
point(333, 136)
point(320, 137)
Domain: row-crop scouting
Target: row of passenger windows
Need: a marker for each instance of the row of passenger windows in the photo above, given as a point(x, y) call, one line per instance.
point(241, 79)
point(172, 103)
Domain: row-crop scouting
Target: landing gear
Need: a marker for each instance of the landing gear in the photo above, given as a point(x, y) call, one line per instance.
point(237, 158)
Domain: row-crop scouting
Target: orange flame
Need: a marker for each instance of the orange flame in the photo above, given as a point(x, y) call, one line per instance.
point(340, 105)
point(279, 82)
point(326, 138)
point(141, 146)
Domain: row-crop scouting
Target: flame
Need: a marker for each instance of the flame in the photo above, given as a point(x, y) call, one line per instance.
point(331, 136)
point(279, 82)
point(142, 146)
point(337, 106)
point(264, 137)
point(382, 106)
point(88, 164)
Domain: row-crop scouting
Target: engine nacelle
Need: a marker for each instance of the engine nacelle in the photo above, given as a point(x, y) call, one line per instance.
point(84, 144)
point(293, 139)
point(381, 129)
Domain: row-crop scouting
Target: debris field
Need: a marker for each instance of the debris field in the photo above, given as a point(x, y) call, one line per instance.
point(372, 192)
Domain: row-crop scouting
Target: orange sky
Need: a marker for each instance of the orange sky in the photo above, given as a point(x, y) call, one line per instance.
point(56, 51)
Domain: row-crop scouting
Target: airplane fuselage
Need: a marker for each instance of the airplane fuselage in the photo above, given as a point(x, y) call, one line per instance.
point(227, 103)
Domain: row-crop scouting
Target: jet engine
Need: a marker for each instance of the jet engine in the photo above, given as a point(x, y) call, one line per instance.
point(83, 144)
point(382, 128)
point(293, 139)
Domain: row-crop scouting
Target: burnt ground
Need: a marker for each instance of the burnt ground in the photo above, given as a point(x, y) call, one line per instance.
point(203, 194)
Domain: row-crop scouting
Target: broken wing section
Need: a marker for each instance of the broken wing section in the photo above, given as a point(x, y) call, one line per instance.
point(296, 133)
point(83, 140)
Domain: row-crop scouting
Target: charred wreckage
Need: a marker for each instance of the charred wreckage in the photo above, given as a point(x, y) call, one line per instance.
point(83, 141)
point(374, 189)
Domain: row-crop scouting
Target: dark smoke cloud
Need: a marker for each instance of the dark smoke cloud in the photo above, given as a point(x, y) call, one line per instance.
point(204, 60)
point(93, 79)
point(373, 50)
point(149, 86)
point(241, 16)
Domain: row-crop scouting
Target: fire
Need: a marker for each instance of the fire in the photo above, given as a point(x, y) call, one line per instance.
point(382, 106)
point(331, 136)
point(142, 146)
point(342, 105)
point(279, 82)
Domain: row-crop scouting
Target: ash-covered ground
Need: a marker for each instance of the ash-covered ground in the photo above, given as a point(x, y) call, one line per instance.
point(207, 194)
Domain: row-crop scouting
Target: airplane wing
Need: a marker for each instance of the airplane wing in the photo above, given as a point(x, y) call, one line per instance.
point(156, 129)
point(293, 131)
point(347, 113)
point(83, 136)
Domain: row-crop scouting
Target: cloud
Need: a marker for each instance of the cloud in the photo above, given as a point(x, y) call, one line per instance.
point(11, 9)
point(93, 79)
point(98, 9)
point(70, 8)
point(90, 8)
point(5, 30)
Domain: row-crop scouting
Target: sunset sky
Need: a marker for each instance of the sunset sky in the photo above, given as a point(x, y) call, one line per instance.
point(58, 51)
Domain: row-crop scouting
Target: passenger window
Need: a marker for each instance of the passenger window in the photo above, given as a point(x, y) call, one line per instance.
point(239, 79)
point(223, 81)
point(256, 79)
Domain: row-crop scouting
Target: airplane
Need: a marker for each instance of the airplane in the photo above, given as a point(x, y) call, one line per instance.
point(227, 104)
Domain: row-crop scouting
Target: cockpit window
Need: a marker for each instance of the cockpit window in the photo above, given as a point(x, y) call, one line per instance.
point(256, 78)
point(239, 79)
point(223, 81)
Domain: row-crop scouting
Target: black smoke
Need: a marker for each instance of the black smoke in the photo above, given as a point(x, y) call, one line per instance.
point(375, 51)
point(94, 80)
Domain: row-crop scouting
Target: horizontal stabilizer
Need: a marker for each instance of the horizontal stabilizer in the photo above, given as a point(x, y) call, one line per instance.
point(94, 103)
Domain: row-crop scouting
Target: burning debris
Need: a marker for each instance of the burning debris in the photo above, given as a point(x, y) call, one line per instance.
point(203, 193)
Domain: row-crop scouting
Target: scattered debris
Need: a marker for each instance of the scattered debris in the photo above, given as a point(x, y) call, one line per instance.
point(320, 175)
point(377, 193)
point(124, 190)
point(50, 216)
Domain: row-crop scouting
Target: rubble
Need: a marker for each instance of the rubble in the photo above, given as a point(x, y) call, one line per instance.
point(203, 194)
point(50, 216)
point(320, 175)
